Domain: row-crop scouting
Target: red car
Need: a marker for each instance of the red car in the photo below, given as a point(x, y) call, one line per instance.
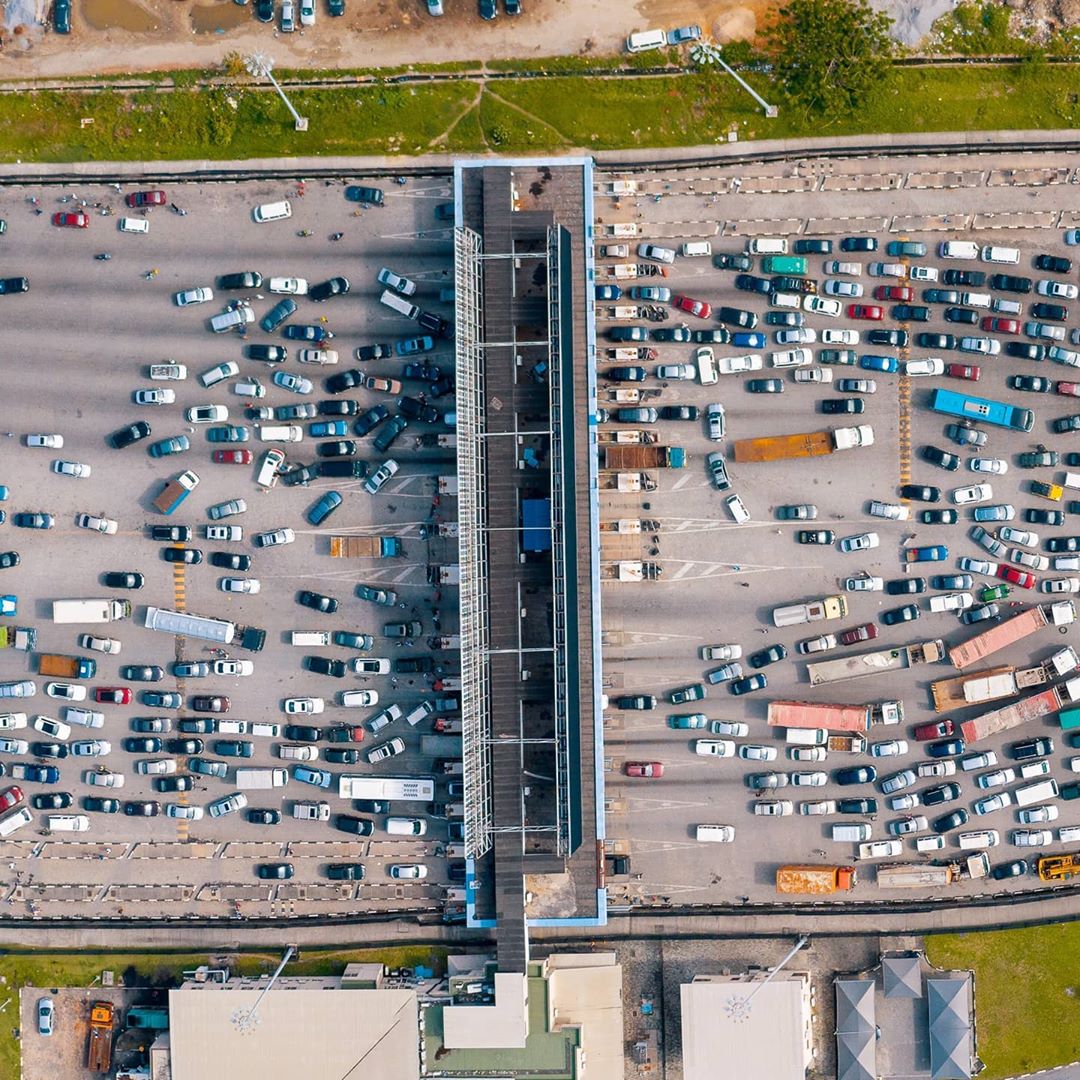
point(866, 632)
point(146, 198)
point(206, 703)
point(894, 292)
point(12, 797)
point(1002, 326)
point(232, 457)
point(864, 311)
point(692, 306)
point(112, 695)
point(649, 770)
point(939, 729)
point(1016, 577)
point(963, 371)
point(1069, 389)
point(73, 219)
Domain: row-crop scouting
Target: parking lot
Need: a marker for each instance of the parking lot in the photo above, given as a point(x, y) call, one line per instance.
point(721, 581)
point(82, 341)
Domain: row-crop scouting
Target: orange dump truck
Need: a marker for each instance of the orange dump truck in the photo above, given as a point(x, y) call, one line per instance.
point(815, 879)
point(99, 1048)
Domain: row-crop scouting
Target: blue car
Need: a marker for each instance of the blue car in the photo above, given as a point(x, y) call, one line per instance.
point(229, 433)
point(316, 777)
point(9, 605)
point(324, 508)
point(328, 429)
point(414, 345)
point(608, 292)
point(934, 553)
point(176, 445)
point(277, 314)
point(745, 340)
point(306, 332)
point(993, 513)
point(870, 362)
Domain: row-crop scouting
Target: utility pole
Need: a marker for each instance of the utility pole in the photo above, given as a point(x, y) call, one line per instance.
point(704, 52)
point(262, 66)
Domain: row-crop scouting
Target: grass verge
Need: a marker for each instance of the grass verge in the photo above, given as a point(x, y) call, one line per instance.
point(56, 969)
point(1027, 994)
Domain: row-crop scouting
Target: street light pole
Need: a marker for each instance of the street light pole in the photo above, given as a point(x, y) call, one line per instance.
point(705, 53)
point(262, 66)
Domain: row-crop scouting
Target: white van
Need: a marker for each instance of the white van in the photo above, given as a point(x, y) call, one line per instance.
point(399, 304)
point(1072, 480)
point(929, 843)
point(406, 826)
point(261, 778)
point(794, 736)
point(67, 823)
point(421, 712)
point(766, 245)
point(714, 834)
point(231, 727)
point(958, 249)
point(1040, 791)
point(265, 731)
point(644, 40)
point(993, 254)
point(281, 433)
point(706, 367)
point(854, 833)
point(272, 211)
point(696, 249)
point(229, 320)
point(982, 838)
point(298, 752)
point(786, 300)
point(309, 638)
point(133, 225)
point(15, 820)
point(311, 811)
point(268, 470)
point(1069, 834)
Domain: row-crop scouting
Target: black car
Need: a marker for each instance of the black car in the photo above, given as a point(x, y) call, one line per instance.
point(240, 748)
point(336, 448)
point(1035, 516)
point(753, 284)
point(941, 296)
point(858, 243)
point(370, 420)
point(335, 7)
point(961, 315)
point(142, 746)
point(812, 247)
point(268, 354)
point(193, 726)
point(184, 746)
point(905, 586)
point(732, 260)
point(943, 793)
point(141, 808)
point(414, 409)
point(264, 10)
point(169, 784)
point(910, 313)
point(317, 601)
point(843, 405)
point(435, 324)
point(1056, 264)
point(949, 821)
point(248, 279)
point(1031, 748)
point(736, 317)
point(337, 755)
point(1009, 283)
point(920, 492)
point(117, 579)
point(51, 800)
point(937, 517)
point(229, 560)
point(678, 412)
point(344, 380)
point(390, 434)
point(33, 520)
point(1025, 350)
point(1053, 312)
point(14, 285)
point(1004, 871)
point(372, 196)
point(1065, 424)
point(674, 333)
point(357, 470)
point(856, 774)
point(1036, 384)
point(324, 290)
point(58, 751)
point(941, 458)
point(345, 407)
point(191, 556)
point(720, 336)
point(1058, 544)
point(321, 666)
point(178, 533)
point(414, 665)
point(133, 433)
point(152, 725)
point(345, 872)
point(278, 314)
point(935, 341)
point(263, 817)
point(9, 559)
point(275, 871)
point(303, 475)
point(771, 655)
point(898, 338)
point(764, 386)
point(355, 825)
point(100, 805)
point(815, 536)
point(907, 613)
point(1038, 459)
point(784, 318)
point(975, 278)
point(804, 286)
point(856, 806)
point(421, 371)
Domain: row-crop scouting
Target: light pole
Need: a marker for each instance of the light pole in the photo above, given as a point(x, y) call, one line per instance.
point(262, 66)
point(705, 53)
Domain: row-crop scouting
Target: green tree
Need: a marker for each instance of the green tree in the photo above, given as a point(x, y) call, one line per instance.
point(831, 55)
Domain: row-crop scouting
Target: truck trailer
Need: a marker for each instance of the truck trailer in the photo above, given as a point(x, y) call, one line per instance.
point(176, 491)
point(67, 667)
point(372, 547)
point(874, 663)
point(390, 788)
point(1011, 631)
point(931, 876)
point(1020, 712)
point(815, 880)
point(807, 444)
point(90, 611)
point(642, 456)
point(807, 714)
point(829, 607)
point(980, 686)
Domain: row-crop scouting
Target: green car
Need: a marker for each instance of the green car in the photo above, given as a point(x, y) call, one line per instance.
point(694, 692)
point(993, 592)
point(689, 722)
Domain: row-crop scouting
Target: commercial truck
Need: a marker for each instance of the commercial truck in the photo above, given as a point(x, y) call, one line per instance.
point(175, 492)
point(931, 876)
point(629, 482)
point(807, 444)
point(99, 1048)
point(829, 607)
point(815, 880)
point(629, 437)
point(1011, 631)
point(1058, 867)
point(261, 778)
point(67, 667)
point(23, 638)
point(806, 714)
point(90, 611)
point(1020, 712)
point(373, 547)
point(846, 744)
point(643, 456)
point(982, 686)
point(389, 788)
point(875, 663)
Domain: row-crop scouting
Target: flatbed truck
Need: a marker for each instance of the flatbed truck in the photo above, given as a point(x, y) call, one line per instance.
point(980, 686)
point(805, 444)
point(875, 663)
point(828, 607)
point(629, 437)
point(643, 456)
point(99, 1047)
point(176, 491)
point(815, 880)
point(373, 547)
point(67, 667)
point(931, 876)
point(846, 744)
point(629, 482)
point(90, 611)
point(1020, 712)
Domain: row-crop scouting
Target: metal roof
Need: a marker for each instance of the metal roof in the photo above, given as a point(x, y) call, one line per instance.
point(856, 1030)
point(949, 1006)
point(901, 976)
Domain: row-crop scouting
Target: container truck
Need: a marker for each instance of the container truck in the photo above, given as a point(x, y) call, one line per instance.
point(1020, 712)
point(67, 667)
point(261, 778)
point(90, 611)
point(815, 880)
point(628, 482)
point(1011, 631)
point(175, 492)
point(982, 686)
point(806, 714)
point(829, 607)
point(23, 638)
point(808, 444)
point(390, 788)
point(374, 547)
point(930, 876)
point(99, 1048)
point(846, 744)
point(643, 456)
point(874, 663)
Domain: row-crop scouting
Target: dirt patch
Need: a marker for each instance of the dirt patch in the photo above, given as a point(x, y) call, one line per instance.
point(118, 15)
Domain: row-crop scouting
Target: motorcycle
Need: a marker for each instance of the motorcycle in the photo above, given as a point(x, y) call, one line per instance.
point(103, 257)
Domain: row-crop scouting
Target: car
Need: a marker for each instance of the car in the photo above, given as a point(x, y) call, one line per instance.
point(857, 774)
point(274, 538)
point(142, 673)
point(888, 748)
point(771, 655)
point(898, 338)
point(1037, 815)
point(694, 692)
point(33, 521)
point(767, 781)
point(1064, 424)
point(869, 312)
point(208, 703)
point(375, 482)
point(322, 509)
point(797, 512)
point(941, 458)
point(773, 808)
point(858, 243)
point(814, 536)
point(943, 793)
point(859, 542)
point(963, 371)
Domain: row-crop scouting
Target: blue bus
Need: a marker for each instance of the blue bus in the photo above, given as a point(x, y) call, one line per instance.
point(975, 408)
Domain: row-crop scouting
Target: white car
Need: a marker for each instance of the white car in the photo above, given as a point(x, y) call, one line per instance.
point(812, 754)
point(935, 770)
point(840, 337)
point(721, 652)
point(820, 305)
point(884, 269)
point(249, 586)
point(304, 706)
point(930, 366)
point(206, 414)
point(996, 779)
point(103, 778)
point(96, 524)
point(813, 375)
point(714, 747)
point(889, 511)
point(307, 12)
point(71, 468)
point(985, 759)
point(234, 667)
point(984, 345)
point(796, 335)
point(922, 273)
point(974, 494)
point(396, 282)
point(91, 748)
point(675, 372)
point(888, 748)
point(156, 767)
point(90, 718)
point(735, 728)
point(291, 286)
point(251, 388)
point(1062, 290)
point(1029, 559)
point(408, 871)
point(1039, 815)
point(735, 365)
point(219, 373)
point(12, 721)
point(54, 729)
point(52, 442)
point(867, 583)
point(757, 752)
point(906, 800)
point(14, 746)
point(825, 806)
point(386, 750)
point(1067, 563)
point(317, 356)
point(276, 538)
point(821, 643)
point(186, 813)
point(877, 849)
point(66, 691)
point(809, 779)
point(773, 808)
point(1060, 585)
point(859, 542)
point(99, 644)
point(370, 665)
point(173, 372)
point(995, 466)
point(351, 699)
point(374, 483)
point(194, 296)
point(1024, 537)
point(155, 396)
point(834, 287)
